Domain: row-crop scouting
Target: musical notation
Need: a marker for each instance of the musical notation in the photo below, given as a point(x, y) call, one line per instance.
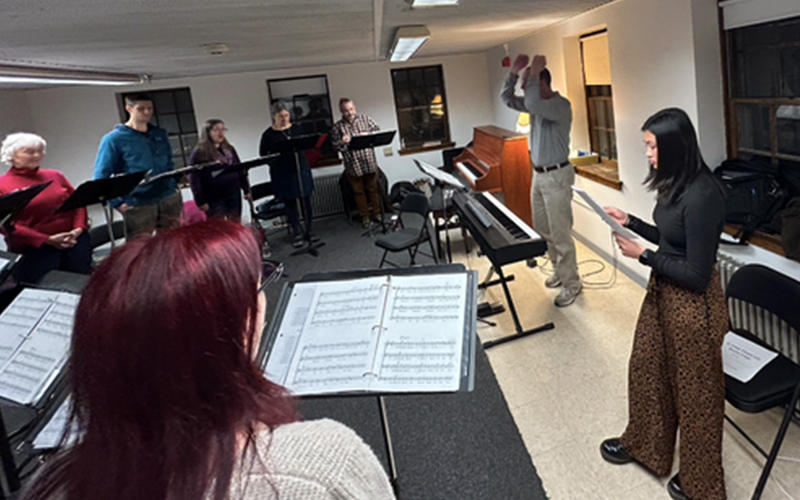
point(35, 333)
point(392, 333)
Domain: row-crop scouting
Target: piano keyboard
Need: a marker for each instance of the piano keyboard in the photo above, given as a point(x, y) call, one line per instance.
point(516, 226)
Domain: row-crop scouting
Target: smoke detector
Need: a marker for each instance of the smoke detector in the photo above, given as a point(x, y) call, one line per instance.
point(215, 49)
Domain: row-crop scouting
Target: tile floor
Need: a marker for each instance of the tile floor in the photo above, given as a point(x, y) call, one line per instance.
point(567, 390)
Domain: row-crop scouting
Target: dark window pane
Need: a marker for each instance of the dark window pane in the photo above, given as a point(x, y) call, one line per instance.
point(790, 72)
point(613, 139)
point(610, 110)
point(189, 142)
point(789, 31)
point(761, 69)
point(175, 145)
point(169, 123)
point(603, 147)
point(789, 174)
point(753, 127)
point(432, 76)
point(163, 102)
point(416, 79)
point(755, 36)
point(404, 98)
point(418, 97)
point(600, 118)
point(789, 130)
point(187, 122)
point(179, 162)
point(183, 101)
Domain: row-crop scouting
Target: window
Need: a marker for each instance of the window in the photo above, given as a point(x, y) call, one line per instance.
point(421, 106)
point(763, 110)
point(763, 107)
point(310, 104)
point(174, 112)
point(602, 163)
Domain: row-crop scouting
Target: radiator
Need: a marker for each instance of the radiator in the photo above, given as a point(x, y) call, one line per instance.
point(761, 323)
point(327, 196)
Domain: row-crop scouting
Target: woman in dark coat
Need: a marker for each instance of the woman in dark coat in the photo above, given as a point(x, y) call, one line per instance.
point(675, 377)
point(217, 195)
point(283, 171)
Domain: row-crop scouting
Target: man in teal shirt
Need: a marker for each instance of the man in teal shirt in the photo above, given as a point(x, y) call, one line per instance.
point(138, 146)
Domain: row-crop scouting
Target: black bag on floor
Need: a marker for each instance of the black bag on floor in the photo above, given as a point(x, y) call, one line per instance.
point(753, 194)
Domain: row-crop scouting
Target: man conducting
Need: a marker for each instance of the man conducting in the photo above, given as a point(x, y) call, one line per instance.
point(553, 175)
point(359, 165)
point(138, 146)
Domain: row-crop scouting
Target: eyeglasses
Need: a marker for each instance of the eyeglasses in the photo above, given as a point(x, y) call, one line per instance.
point(270, 273)
point(217, 129)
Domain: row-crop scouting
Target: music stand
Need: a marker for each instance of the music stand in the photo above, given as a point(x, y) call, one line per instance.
point(102, 191)
point(371, 141)
point(441, 179)
point(296, 145)
point(12, 203)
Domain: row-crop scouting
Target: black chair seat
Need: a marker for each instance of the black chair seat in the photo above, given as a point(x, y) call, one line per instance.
point(399, 240)
point(772, 386)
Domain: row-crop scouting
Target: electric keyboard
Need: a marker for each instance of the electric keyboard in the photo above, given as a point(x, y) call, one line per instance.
point(502, 236)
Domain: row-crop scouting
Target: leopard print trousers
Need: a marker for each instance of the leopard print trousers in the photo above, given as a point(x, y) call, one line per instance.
point(675, 380)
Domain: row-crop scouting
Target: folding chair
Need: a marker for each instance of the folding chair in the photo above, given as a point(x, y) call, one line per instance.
point(414, 221)
point(778, 383)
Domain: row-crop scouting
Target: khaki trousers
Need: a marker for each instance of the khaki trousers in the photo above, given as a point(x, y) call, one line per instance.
point(144, 219)
point(551, 199)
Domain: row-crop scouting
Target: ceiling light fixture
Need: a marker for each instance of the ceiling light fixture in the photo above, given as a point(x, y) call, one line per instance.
point(431, 3)
point(407, 41)
point(57, 76)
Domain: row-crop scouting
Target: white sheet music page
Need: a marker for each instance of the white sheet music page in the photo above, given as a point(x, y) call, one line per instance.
point(423, 333)
point(35, 333)
point(327, 337)
point(50, 436)
point(743, 359)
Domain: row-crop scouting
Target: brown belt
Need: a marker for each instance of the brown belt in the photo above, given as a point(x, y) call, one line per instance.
point(542, 170)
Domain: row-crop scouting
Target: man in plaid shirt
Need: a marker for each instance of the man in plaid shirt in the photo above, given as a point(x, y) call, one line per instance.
point(359, 165)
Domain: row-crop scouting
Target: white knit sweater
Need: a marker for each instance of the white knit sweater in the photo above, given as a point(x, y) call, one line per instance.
point(314, 460)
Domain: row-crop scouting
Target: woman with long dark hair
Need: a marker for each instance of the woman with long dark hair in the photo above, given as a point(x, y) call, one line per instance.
point(167, 400)
point(675, 377)
point(220, 195)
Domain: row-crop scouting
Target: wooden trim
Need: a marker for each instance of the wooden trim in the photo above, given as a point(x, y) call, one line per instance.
point(583, 171)
point(771, 242)
point(411, 150)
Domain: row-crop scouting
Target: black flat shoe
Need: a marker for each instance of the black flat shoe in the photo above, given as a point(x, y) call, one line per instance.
point(675, 490)
point(613, 451)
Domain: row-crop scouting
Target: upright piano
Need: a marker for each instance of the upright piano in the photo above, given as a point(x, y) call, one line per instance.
point(498, 160)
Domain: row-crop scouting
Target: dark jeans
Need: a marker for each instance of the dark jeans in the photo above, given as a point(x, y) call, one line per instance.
point(229, 207)
point(293, 214)
point(37, 262)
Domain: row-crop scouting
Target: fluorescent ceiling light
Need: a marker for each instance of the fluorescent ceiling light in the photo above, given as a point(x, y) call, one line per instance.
point(432, 3)
point(57, 76)
point(407, 41)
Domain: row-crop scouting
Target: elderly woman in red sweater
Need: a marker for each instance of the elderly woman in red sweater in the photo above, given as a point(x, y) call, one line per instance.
point(46, 240)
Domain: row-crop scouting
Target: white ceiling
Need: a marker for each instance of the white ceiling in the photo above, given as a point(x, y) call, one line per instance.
point(164, 38)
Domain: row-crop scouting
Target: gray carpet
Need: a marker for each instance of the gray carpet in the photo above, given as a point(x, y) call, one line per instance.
point(447, 446)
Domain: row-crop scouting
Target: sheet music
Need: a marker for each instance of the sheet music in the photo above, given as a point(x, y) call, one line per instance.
point(35, 333)
point(423, 332)
point(615, 226)
point(50, 436)
point(385, 333)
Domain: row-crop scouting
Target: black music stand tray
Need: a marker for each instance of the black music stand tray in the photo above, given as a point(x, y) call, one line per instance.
point(467, 382)
point(102, 191)
point(442, 180)
point(372, 141)
point(296, 145)
point(12, 203)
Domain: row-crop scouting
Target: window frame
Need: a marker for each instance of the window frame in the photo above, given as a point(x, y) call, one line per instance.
point(418, 147)
point(186, 146)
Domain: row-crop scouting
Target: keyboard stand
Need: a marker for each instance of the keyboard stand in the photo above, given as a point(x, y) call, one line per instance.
point(518, 326)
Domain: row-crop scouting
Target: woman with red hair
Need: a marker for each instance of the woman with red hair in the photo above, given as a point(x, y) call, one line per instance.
point(168, 402)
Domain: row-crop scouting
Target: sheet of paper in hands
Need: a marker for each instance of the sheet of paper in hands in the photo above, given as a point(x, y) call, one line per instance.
point(615, 226)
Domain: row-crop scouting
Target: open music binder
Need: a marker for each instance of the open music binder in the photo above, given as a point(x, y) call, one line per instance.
point(35, 334)
point(383, 331)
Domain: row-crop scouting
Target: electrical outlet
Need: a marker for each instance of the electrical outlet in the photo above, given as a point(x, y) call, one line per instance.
point(387, 151)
